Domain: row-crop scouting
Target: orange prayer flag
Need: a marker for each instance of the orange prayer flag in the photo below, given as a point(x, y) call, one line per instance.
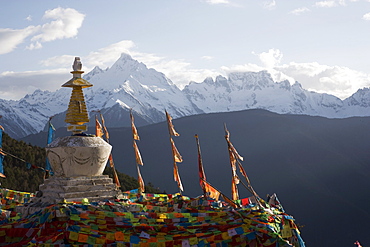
point(171, 128)
point(119, 236)
point(98, 128)
point(213, 193)
point(105, 128)
point(201, 173)
point(230, 145)
point(177, 177)
point(82, 238)
point(133, 127)
point(234, 190)
point(140, 179)
point(176, 154)
point(139, 161)
point(110, 158)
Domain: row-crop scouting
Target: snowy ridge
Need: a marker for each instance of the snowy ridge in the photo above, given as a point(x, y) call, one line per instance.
point(129, 84)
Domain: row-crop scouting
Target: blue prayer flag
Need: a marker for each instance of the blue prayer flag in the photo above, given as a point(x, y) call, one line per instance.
point(1, 136)
point(1, 165)
point(50, 139)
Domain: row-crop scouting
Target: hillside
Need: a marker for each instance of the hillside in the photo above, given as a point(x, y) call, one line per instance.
point(318, 167)
point(25, 178)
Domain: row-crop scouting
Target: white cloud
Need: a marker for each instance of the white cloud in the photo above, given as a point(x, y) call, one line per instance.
point(331, 3)
point(34, 46)
point(15, 85)
point(103, 58)
point(65, 25)
point(366, 17)
point(29, 18)
point(179, 71)
point(207, 57)
point(217, 1)
point(11, 38)
point(271, 58)
point(300, 11)
point(269, 4)
point(327, 4)
point(337, 80)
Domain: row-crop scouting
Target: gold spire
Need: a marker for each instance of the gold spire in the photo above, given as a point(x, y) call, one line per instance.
point(77, 112)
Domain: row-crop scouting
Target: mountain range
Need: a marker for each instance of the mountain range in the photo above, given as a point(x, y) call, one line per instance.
point(318, 167)
point(129, 84)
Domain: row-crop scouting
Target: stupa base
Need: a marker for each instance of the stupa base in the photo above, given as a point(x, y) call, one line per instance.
point(56, 190)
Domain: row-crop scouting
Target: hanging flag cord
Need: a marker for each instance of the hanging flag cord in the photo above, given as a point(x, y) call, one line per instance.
point(11, 155)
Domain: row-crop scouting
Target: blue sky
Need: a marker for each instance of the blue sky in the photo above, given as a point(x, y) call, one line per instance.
point(322, 44)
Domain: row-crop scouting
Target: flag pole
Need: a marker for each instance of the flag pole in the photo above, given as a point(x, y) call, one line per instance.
point(176, 170)
point(110, 158)
point(234, 188)
point(202, 175)
point(138, 160)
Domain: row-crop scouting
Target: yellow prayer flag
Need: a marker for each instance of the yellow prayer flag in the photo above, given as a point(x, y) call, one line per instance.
point(111, 236)
point(100, 241)
point(193, 241)
point(73, 236)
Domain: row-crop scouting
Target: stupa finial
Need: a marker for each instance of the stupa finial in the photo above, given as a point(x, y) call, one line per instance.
point(77, 114)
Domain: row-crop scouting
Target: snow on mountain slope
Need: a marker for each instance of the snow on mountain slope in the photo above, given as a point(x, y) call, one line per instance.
point(251, 90)
point(130, 84)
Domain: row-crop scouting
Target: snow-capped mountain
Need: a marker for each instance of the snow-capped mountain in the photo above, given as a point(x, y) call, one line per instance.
point(251, 90)
point(129, 84)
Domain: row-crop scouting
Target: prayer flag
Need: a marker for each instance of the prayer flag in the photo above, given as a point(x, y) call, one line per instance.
point(176, 154)
point(105, 128)
point(2, 155)
point(98, 128)
point(233, 204)
point(140, 179)
point(134, 130)
point(212, 192)
point(139, 161)
point(358, 244)
point(234, 190)
point(230, 145)
point(51, 131)
point(177, 177)
point(202, 175)
point(1, 136)
point(1, 165)
point(171, 128)
point(111, 163)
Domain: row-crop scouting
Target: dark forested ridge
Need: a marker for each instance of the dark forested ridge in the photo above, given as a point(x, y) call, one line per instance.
point(319, 167)
point(18, 176)
point(21, 178)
